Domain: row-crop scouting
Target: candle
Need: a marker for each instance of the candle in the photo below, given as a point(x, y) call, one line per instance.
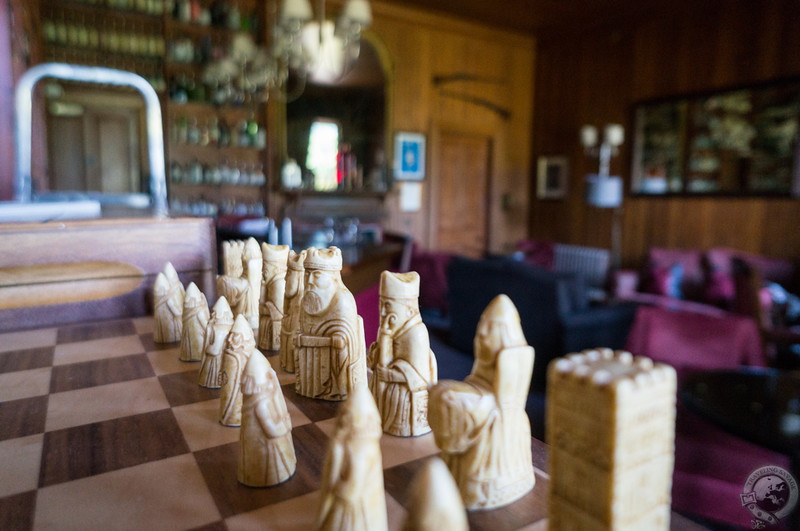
point(286, 232)
point(588, 136)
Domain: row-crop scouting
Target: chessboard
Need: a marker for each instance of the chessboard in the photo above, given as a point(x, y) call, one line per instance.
point(101, 428)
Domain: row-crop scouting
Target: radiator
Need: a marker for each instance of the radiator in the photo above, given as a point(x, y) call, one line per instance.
point(590, 262)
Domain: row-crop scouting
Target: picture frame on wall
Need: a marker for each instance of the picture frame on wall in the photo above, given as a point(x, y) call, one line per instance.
point(409, 156)
point(551, 177)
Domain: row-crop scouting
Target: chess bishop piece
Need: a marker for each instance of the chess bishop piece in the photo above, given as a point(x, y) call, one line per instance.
point(434, 501)
point(195, 319)
point(293, 296)
point(216, 336)
point(242, 292)
point(401, 361)
point(352, 491)
point(480, 424)
point(239, 346)
point(266, 455)
point(331, 358)
point(167, 310)
point(273, 288)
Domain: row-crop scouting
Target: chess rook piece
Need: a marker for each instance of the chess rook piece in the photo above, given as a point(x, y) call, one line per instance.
point(167, 310)
point(273, 288)
point(480, 424)
point(434, 501)
point(293, 296)
point(266, 455)
point(403, 365)
point(195, 319)
point(331, 358)
point(238, 348)
point(232, 264)
point(216, 336)
point(242, 292)
point(611, 430)
point(352, 491)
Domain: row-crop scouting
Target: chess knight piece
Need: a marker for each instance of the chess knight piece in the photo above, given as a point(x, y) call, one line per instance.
point(219, 325)
point(352, 492)
point(331, 358)
point(167, 310)
point(480, 424)
point(238, 348)
point(402, 363)
point(434, 501)
point(273, 287)
point(266, 454)
point(242, 292)
point(293, 296)
point(195, 319)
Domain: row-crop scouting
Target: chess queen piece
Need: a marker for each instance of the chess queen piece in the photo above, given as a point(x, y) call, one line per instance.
point(266, 455)
point(480, 424)
point(293, 296)
point(331, 358)
point(167, 310)
point(403, 365)
point(434, 501)
point(216, 336)
point(195, 319)
point(352, 491)
point(271, 302)
point(242, 292)
point(239, 346)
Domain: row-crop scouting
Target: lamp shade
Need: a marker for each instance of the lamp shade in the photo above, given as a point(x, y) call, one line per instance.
point(358, 11)
point(603, 191)
point(299, 10)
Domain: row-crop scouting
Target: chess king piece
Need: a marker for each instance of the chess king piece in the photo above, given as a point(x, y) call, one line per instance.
point(273, 288)
point(611, 429)
point(239, 346)
point(480, 424)
point(402, 363)
point(243, 292)
point(167, 310)
point(434, 501)
point(331, 357)
point(293, 296)
point(266, 455)
point(216, 336)
point(195, 319)
point(352, 491)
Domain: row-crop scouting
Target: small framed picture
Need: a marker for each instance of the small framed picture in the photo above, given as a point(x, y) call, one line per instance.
point(409, 156)
point(551, 178)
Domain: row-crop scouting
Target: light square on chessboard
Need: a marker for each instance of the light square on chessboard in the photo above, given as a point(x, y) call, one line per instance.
point(26, 339)
point(19, 461)
point(168, 361)
point(97, 349)
point(24, 384)
point(143, 325)
point(165, 494)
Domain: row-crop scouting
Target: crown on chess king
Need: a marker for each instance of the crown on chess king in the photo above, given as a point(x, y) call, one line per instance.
point(275, 253)
point(399, 285)
point(329, 259)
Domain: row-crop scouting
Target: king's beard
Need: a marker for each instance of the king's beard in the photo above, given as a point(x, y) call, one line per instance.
point(314, 303)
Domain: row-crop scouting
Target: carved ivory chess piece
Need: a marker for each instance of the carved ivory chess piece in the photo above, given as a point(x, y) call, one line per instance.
point(273, 288)
point(402, 363)
point(611, 429)
point(172, 277)
point(480, 424)
point(293, 296)
point(195, 319)
point(434, 501)
point(330, 346)
point(239, 346)
point(266, 455)
point(167, 310)
point(232, 264)
point(216, 336)
point(243, 291)
point(352, 491)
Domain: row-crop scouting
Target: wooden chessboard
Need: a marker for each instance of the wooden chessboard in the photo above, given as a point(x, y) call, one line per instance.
point(100, 428)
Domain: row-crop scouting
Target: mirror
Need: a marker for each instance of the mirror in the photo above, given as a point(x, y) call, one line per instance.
point(336, 132)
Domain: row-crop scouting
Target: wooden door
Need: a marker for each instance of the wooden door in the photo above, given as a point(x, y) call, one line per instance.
point(462, 196)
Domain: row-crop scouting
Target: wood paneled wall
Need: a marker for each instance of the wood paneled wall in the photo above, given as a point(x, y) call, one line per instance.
point(595, 78)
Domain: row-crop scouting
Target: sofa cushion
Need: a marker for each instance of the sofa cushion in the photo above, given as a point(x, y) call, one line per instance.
point(666, 281)
point(691, 263)
point(540, 253)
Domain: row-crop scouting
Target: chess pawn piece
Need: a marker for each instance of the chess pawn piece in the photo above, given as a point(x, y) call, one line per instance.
point(331, 358)
point(216, 336)
point(195, 319)
point(434, 501)
point(232, 264)
point(172, 277)
point(352, 491)
point(480, 424)
point(273, 287)
point(238, 348)
point(266, 454)
point(293, 296)
point(167, 310)
point(402, 363)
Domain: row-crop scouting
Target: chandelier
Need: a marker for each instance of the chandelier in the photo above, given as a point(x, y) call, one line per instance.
point(300, 47)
